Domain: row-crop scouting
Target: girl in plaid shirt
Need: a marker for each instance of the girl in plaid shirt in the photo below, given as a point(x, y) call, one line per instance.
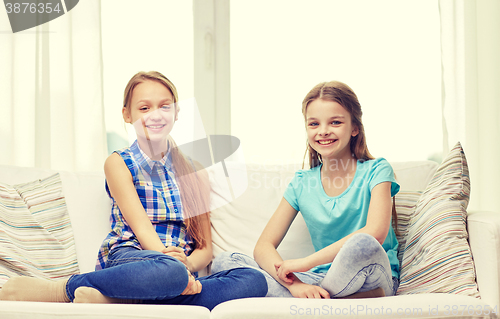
point(160, 228)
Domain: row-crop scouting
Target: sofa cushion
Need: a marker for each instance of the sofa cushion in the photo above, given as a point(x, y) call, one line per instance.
point(422, 306)
point(414, 175)
point(51, 310)
point(437, 256)
point(36, 237)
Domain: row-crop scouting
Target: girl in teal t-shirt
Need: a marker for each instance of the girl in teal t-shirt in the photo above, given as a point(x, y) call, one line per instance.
point(346, 201)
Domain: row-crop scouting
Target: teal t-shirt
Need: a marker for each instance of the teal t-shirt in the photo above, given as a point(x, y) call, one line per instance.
point(330, 219)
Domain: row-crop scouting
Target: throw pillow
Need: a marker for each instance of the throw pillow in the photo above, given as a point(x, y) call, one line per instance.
point(437, 257)
point(405, 206)
point(36, 238)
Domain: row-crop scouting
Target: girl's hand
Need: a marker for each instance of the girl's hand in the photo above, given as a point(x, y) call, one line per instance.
point(193, 286)
point(178, 253)
point(301, 290)
point(286, 268)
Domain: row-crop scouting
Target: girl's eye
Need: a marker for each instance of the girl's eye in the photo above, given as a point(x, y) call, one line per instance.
point(313, 124)
point(166, 107)
point(336, 122)
point(144, 108)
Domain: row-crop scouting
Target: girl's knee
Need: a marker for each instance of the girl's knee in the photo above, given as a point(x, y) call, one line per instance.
point(166, 274)
point(221, 261)
point(222, 257)
point(363, 245)
point(364, 238)
point(169, 268)
point(230, 260)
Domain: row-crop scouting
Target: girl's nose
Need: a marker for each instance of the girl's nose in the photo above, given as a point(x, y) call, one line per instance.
point(324, 131)
point(155, 115)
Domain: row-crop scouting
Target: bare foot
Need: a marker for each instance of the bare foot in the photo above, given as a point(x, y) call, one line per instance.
point(34, 289)
point(193, 287)
point(375, 293)
point(92, 295)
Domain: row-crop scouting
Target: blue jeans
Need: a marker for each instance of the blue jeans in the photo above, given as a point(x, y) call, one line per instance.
point(361, 265)
point(151, 277)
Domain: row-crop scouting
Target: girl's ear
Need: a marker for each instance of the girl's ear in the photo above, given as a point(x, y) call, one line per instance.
point(355, 131)
point(126, 115)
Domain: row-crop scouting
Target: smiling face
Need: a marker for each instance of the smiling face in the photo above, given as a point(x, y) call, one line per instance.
point(152, 111)
point(329, 129)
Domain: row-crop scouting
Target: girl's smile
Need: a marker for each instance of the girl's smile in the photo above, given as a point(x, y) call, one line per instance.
point(155, 127)
point(152, 127)
point(326, 142)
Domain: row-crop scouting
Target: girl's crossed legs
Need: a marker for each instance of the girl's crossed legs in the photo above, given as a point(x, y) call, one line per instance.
point(361, 265)
point(145, 277)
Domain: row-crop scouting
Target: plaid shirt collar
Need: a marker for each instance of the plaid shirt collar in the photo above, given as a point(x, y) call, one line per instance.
point(148, 164)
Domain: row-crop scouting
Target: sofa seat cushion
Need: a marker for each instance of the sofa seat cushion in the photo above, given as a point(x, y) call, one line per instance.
point(50, 310)
point(414, 306)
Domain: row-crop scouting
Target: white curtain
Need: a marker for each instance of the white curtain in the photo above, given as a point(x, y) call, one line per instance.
point(51, 93)
point(470, 45)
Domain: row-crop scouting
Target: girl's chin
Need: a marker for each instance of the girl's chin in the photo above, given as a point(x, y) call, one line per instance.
point(153, 138)
point(153, 134)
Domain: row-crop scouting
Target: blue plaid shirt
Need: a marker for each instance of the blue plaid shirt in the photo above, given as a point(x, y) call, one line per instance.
point(159, 194)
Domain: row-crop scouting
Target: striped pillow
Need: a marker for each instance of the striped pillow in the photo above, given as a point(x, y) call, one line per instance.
point(437, 257)
point(405, 206)
point(36, 238)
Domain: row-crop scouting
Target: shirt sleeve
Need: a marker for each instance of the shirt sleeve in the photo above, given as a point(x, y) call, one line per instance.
point(382, 172)
point(293, 190)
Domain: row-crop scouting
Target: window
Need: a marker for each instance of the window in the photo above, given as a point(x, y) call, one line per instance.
point(388, 52)
point(144, 37)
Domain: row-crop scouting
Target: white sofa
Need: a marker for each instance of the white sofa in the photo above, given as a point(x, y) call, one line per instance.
point(236, 227)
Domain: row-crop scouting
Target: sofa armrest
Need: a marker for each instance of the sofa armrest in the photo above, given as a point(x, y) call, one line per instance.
point(484, 239)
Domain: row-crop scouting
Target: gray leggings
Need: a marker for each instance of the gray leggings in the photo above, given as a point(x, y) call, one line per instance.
point(361, 265)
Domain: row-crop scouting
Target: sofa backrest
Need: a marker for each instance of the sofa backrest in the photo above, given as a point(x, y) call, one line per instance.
point(237, 225)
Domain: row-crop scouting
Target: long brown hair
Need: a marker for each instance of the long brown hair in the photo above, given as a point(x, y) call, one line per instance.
point(341, 93)
point(194, 185)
